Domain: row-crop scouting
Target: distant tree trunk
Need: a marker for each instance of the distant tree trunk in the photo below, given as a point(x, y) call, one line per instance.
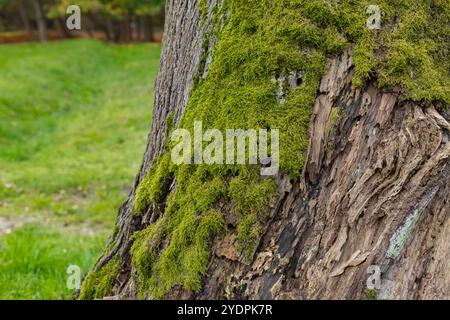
point(149, 36)
point(25, 20)
point(125, 30)
point(133, 27)
point(100, 23)
point(61, 28)
point(40, 20)
point(117, 30)
point(385, 162)
point(109, 29)
point(138, 28)
point(89, 26)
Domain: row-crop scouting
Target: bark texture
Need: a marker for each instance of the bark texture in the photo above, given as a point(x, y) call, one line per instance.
point(374, 191)
point(180, 58)
point(381, 164)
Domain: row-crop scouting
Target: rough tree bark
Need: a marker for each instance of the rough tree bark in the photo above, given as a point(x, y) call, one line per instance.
point(374, 191)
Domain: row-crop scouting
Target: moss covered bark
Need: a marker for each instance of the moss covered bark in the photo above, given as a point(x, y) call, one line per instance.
point(260, 42)
point(99, 283)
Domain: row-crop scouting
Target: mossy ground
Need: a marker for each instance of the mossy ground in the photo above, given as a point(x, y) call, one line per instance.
point(264, 40)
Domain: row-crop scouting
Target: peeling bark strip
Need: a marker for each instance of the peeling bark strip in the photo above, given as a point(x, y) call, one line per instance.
point(374, 191)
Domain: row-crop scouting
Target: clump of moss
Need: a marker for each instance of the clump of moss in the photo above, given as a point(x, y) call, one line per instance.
point(144, 253)
point(261, 41)
point(185, 258)
point(250, 197)
point(151, 188)
point(99, 283)
point(203, 9)
point(370, 294)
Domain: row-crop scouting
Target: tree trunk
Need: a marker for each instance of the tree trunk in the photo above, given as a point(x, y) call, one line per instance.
point(132, 28)
point(63, 32)
point(40, 20)
point(89, 26)
point(25, 20)
point(110, 33)
point(373, 191)
point(124, 31)
point(139, 28)
point(149, 29)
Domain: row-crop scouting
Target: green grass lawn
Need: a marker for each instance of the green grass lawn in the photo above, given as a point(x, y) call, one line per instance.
point(74, 117)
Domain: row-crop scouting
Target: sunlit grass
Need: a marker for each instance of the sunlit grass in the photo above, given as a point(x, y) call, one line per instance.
point(74, 118)
point(34, 262)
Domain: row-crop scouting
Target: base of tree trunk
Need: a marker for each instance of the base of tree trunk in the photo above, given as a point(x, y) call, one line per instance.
point(371, 199)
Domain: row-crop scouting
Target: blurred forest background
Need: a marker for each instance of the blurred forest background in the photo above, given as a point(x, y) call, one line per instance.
point(74, 117)
point(113, 20)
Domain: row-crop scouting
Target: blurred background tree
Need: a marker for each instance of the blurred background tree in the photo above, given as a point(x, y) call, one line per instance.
point(112, 20)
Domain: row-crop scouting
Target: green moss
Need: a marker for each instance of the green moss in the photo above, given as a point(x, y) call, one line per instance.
point(364, 59)
point(98, 284)
point(203, 9)
point(250, 197)
point(335, 117)
point(170, 123)
point(183, 261)
point(144, 253)
point(263, 40)
point(151, 188)
point(248, 234)
point(370, 294)
point(417, 57)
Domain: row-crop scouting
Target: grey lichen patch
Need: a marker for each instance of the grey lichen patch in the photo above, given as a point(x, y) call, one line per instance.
point(401, 236)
